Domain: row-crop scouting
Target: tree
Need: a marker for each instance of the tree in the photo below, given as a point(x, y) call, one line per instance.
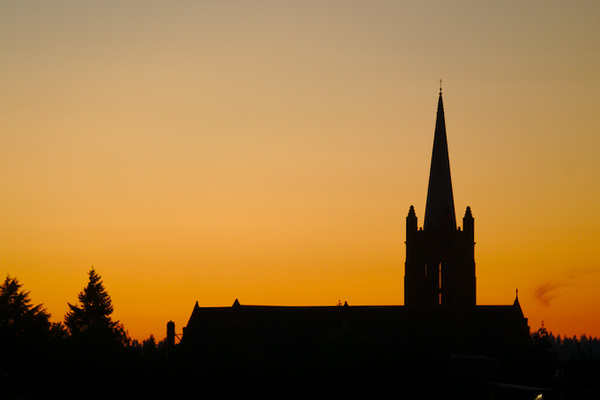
point(17, 315)
point(97, 354)
point(91, 321)
point(542, 340)
point(24, 328)
point(544, 355)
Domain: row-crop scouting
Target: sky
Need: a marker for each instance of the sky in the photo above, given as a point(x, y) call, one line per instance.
point(269, 151)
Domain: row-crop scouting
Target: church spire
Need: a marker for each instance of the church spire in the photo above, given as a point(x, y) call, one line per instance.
point(439, 210)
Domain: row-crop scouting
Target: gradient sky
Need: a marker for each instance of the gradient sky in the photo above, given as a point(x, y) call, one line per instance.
point(269, 151)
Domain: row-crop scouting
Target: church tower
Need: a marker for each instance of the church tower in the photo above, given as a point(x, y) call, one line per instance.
point(440, 258)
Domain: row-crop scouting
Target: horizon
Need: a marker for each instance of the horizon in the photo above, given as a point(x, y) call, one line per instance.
point(269, 152)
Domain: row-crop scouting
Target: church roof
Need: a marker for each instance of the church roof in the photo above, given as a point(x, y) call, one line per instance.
point(298, 330)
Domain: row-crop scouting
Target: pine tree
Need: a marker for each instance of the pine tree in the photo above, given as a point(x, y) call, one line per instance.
point(24, 328)
point(17, 315)
point(91, 321)
point(97, 350)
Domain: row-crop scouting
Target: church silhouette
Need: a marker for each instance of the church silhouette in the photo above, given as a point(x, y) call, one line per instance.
point(439, 327)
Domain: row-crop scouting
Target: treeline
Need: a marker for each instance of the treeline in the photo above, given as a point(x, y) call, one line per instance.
point(567, 348)
point(88, 355)
point(573, 362)
point(573, 347)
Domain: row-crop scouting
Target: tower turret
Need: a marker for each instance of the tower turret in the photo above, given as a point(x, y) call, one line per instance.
point(411, 222)
point(469, 223)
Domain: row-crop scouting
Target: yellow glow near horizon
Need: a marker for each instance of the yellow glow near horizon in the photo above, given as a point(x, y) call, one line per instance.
point(269, 151)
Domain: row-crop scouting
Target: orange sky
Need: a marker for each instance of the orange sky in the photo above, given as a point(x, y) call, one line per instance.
point(269, 151)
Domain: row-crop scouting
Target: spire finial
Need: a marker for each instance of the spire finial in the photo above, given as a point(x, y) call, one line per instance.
point(517, 293)
point(440, 86)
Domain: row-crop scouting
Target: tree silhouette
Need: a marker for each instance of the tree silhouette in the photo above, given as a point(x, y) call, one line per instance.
point(542, 340)
point(17, 315)
point(90, 324)
point(24, 328)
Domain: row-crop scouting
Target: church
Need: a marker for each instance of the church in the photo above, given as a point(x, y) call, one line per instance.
point(440, 323)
